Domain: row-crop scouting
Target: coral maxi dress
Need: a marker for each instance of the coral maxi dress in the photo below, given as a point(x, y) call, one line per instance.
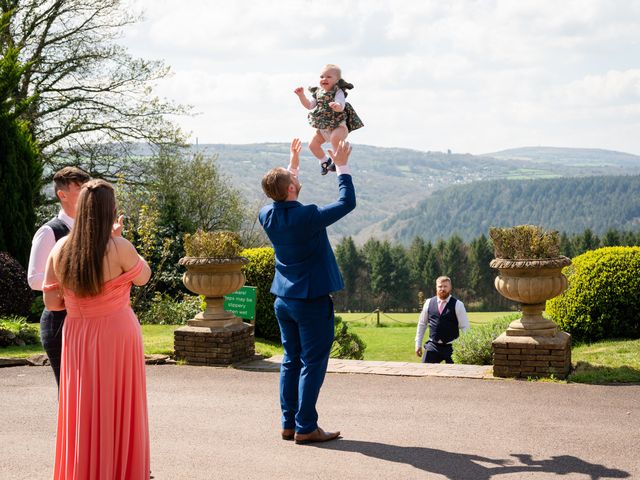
point(103, 431)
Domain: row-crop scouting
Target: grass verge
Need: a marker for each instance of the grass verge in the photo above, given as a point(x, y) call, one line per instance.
point(604, 362)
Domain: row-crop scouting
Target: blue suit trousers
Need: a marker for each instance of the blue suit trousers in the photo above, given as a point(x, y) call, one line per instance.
point(307, 329)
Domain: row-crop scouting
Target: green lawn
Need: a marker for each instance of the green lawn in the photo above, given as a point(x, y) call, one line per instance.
point(609, 361)
point(157, 339)
point(394, 341)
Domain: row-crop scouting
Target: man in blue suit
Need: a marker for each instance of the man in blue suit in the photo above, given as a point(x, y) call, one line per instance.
point(306, 273)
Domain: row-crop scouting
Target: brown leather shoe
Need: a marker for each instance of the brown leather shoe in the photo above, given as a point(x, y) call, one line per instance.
point(288, 433)
point(316, 436)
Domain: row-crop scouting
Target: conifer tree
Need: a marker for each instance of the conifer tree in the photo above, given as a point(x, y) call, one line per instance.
point(20, 167)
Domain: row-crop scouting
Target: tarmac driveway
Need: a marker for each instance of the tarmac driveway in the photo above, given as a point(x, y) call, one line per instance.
point(222, 423)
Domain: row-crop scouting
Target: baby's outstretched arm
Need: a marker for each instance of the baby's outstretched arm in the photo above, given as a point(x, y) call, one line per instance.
point(306, 103)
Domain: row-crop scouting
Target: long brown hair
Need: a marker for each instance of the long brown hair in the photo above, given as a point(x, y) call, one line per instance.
point(81, 261)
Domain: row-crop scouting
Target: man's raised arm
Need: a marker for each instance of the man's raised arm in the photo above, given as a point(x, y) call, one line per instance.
point(347, 195)
point(294, 157)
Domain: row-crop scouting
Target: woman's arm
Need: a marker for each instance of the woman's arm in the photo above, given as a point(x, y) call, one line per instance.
point(129, 258)
point(52, 290)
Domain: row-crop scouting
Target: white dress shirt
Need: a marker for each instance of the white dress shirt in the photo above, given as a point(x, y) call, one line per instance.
point(423, 322)
point(41, 246)
point(340, 99)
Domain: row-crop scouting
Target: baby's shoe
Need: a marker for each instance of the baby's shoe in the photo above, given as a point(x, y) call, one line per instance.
point(327, 166)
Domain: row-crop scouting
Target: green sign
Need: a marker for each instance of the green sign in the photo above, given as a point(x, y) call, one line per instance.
point(242, 303)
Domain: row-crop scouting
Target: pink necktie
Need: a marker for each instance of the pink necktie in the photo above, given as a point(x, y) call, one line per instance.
point(441, 304)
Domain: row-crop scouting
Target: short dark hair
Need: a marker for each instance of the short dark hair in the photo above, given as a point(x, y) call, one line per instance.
point(68, 175)
point(275, 184)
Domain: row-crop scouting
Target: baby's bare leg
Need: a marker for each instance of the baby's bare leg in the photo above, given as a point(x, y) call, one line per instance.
point(315, 145)
point(337, 135)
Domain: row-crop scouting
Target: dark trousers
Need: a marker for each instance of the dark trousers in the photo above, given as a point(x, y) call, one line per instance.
point(306, 327)
point(437, 352)
point(51, 336)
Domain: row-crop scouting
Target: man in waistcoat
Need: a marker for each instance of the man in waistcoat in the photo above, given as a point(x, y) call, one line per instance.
point(67, 184)
point(306, 273)
point(446, 316)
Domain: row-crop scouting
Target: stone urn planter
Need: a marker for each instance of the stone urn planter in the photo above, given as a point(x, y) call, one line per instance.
point(213, 269)
point(213, 278)
point(530, 272)
point(531, 283)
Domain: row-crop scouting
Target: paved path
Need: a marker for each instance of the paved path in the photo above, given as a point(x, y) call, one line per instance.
point(403, 369)
point(222, 423)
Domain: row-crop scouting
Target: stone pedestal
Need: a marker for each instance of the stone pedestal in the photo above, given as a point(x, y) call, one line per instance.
point(527, 356)
point(199, 345)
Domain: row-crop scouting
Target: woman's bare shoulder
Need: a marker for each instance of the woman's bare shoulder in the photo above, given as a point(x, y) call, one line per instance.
point(122, 251)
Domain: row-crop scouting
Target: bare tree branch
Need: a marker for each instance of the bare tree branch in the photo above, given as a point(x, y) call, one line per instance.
point(87, 88)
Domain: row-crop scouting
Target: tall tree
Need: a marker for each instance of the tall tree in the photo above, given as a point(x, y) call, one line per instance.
point(586, 241)
point(350, 265)
point(455, 263)
point(432, 269)
point(20, 167)
point(417, 256)
point(382, 274)
point(566, 245)
point(92, 98)
point(611, 238)
point(180, 194)
point(481, 275)
point(403, 294)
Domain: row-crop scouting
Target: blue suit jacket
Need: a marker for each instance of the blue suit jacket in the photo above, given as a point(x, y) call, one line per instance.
point(305, 264)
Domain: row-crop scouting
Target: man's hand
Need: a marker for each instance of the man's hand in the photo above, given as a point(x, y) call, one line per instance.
point(341, 155)
point(294, 158)
point(419, 352)
point(116, 231)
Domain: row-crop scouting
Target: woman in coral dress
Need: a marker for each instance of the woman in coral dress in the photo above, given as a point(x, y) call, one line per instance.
point(102, 431)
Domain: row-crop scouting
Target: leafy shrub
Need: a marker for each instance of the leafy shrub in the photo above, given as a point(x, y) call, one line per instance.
point(37, 306)
point(165, 310)
point(345, 344)
point(259, 272)
point(15, 294)
point(525, 242)
point(220, 244)
point(603, 298)
point(16, 331)
point(473, 347)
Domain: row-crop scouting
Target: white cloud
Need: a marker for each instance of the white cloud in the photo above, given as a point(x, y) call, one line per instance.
point(467, 75)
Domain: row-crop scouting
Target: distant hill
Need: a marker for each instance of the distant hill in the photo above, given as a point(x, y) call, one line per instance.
point(569, 156)
point(390, 180)
point(567, 204)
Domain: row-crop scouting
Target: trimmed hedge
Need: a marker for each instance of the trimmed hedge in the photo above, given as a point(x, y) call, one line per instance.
point(259, 272)
point(603, 298)
point(15, 294)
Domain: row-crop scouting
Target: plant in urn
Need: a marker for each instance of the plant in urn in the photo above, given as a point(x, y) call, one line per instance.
point(214, 269)
point(530, 272)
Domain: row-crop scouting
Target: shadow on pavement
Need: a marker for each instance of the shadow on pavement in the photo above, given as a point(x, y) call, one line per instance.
point(459, 466)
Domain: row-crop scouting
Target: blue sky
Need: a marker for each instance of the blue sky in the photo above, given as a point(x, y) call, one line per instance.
point(470, 76)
